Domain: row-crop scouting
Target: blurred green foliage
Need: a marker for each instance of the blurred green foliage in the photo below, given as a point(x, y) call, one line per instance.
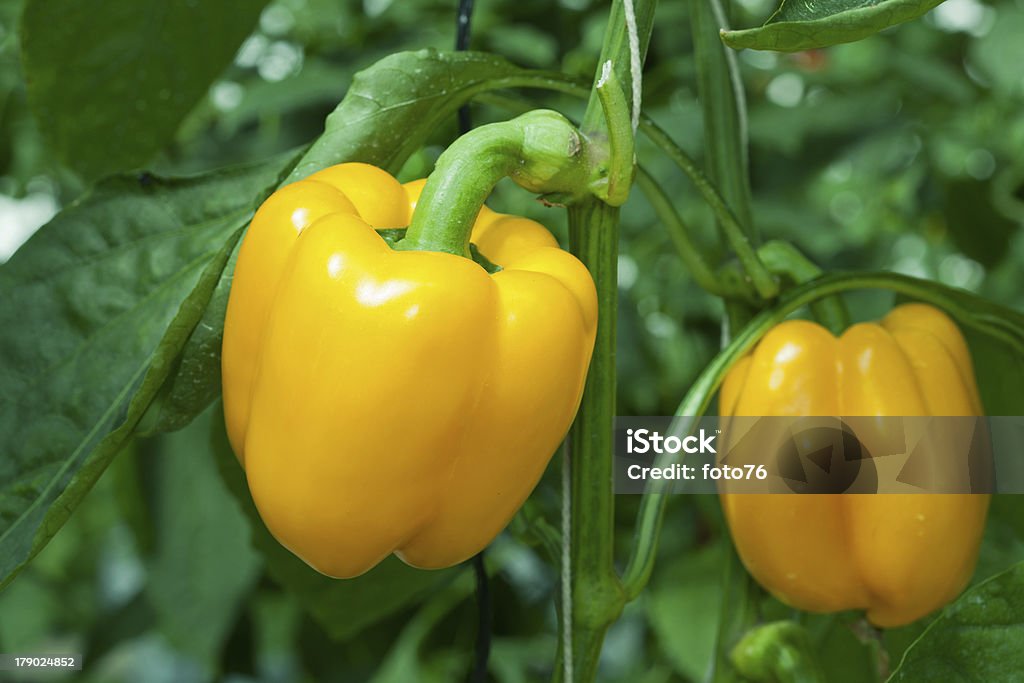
point(904, 152)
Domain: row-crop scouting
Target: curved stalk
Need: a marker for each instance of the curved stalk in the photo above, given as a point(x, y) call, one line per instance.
point(735, 235)
point(760, 277)
point(680, 234)
point(783, 259)
point(539, 150)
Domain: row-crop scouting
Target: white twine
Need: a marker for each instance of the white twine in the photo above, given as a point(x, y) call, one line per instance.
point(566, 568)
point(635, 67)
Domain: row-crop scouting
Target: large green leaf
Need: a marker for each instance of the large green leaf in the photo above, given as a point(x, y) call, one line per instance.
point(386, 115)
point(980, 637)
point(395, 104)
point(110, 81)
point(688, 585)
point(806, 24)
point(94, 309)
point(342, 607)
point(724, 110)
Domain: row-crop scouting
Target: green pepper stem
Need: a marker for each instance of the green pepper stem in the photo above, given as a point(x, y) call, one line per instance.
point(779, 652)
point(782, 258)
point(540, 150)
point(755, 274)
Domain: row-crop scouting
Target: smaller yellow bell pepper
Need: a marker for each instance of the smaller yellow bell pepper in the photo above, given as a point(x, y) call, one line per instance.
point(385, 401)
point(897, 556)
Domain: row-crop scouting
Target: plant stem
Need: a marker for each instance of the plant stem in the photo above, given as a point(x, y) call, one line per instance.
point(735, 233)
point(597, 597)
point(724, 107)
point(539, 150)
point(679, 232)
point(757, 275)
point(783, 259)
point(594, 592)
point(620, 135)
point(725, 136)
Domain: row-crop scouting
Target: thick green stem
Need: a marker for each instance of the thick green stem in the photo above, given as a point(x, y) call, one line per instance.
point(540, 150)
point(594, 592)
point(621, 142)
point(597, 598)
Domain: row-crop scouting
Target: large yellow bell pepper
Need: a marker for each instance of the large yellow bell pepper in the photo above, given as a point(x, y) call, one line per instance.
point(396, 401)
point(897, 556)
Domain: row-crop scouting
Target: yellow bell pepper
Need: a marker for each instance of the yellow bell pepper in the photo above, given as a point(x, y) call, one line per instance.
point(396, 401)
point(897, 556)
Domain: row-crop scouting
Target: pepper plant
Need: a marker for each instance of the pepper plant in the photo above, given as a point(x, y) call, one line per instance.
point(112, 322)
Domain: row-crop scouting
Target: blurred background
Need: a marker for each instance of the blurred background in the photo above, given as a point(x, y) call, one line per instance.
point(903, 152)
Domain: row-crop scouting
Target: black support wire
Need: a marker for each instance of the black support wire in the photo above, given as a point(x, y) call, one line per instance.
point(462, 20)
point(483, 588)
point(483, 634)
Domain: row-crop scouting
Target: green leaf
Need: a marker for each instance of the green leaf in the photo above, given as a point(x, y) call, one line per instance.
point(195, 381)
point(405, 661)
point(386, 115)
point(689, 585)
point(396, 103)
point(999, 370)
point(203, 566)
point(974, 221)
point(804, 25)
point(843, 658)
point(342, 607)
point(980, 637)
point(95, 308)
point(724, 109)
point(1003, 544)
point(110, 102)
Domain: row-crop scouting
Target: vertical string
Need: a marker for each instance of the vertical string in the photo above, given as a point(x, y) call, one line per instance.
point(566, 562)
point(635, 64)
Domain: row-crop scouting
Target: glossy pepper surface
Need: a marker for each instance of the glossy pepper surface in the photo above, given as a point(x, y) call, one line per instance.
point(897, 556)
point(396, 401)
